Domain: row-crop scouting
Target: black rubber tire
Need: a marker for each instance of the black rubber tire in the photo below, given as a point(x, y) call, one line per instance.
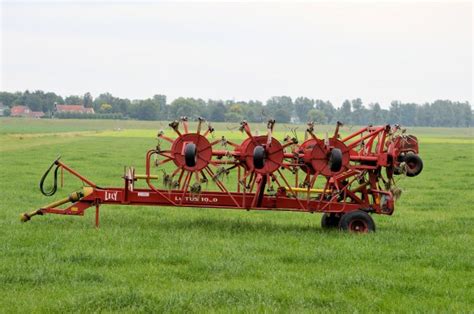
point(190, 155)
point(335, 160)
point(414, 164)
point(259, 157)
point(330, 220)
point(357, 221)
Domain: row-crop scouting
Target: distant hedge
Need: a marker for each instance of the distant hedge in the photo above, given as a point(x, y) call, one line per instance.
point(78, 115)
point(285, 109)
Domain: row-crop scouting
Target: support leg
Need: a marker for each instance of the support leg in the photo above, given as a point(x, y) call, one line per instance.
point(97, 215)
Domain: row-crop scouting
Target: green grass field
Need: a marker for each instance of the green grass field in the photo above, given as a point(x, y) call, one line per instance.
point(155, 259)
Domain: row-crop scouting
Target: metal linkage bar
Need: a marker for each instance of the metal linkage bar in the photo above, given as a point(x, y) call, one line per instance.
point(350, 170)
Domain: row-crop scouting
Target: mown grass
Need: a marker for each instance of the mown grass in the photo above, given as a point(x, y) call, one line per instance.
point(155, 259)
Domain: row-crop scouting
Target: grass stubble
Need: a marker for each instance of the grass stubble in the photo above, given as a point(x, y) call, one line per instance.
point(163, 259)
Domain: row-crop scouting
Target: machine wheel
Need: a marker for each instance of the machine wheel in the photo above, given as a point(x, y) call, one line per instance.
point(335, 160)
point(357, 221)
point(259, 157)
point(330, 220)
point(414, 164)
point(190, 155)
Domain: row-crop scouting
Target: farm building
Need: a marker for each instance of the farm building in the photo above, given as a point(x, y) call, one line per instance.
point(73, 109)
point(24, 111)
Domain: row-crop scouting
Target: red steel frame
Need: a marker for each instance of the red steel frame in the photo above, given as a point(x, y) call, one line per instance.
point(360, 183)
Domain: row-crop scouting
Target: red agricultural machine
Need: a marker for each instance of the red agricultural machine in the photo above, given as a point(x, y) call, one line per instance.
point(345, 178)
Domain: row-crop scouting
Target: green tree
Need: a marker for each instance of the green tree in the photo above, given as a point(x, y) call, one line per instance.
point(302, 106)
point(160, 102)
point(252, 110)
point(376, 114)
point(359, 115)
point(187, 107)
point(395, 115)
point(119, 105)
point(408, 114)
point(105, 108)
point(280, 108)
point(344, 113)
point(327, 108)
point(146, 110)
point(467, 115)
point(317, 116)
point(49, 100)
point(104, 98)
point(7, 99)
point(216, 111)
point(234, 113)
point(87, 100)
point(423, 115)
point(74, 100)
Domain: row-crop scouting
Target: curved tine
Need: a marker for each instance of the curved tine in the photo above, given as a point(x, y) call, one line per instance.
point(221, 185)
point(311, 185)
point(200, 121)
point(324, 190)
point(175, 172)
point(174, 124)
point(186, 185)
point(270, 125)
point(164, 153)
point(181, 174)
point(166, 138)
point(245, 127)
point(210, 130)
point(291, 190)
point(336, 195)
point(274, 177)
point(336, 131)
point(184, 122)
point(162, 162)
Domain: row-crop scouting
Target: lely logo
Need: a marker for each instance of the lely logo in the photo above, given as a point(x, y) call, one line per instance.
point(111, 196)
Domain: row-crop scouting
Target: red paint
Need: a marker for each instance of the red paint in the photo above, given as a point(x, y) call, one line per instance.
point(358, 185)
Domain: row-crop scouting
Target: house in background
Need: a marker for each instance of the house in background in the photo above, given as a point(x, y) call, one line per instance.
point(24, 111)
point(20, 111)
point(73, 109)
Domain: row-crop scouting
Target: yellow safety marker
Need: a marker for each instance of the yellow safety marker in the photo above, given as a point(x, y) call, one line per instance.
point(144, 176)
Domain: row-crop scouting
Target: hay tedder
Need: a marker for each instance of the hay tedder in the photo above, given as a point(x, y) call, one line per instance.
point(344, 177)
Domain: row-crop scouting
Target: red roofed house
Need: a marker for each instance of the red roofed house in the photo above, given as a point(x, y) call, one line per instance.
point(24, 111)
point(74, 108)
point(19, 111)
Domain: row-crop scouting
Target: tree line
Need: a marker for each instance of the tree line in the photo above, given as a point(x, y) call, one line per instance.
point(440, 113)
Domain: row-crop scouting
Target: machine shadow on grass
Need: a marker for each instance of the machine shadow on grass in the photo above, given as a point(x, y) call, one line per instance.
point(160, 221)
point(213, 224)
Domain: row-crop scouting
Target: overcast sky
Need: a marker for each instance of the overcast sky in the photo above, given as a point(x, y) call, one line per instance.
point(332, 51)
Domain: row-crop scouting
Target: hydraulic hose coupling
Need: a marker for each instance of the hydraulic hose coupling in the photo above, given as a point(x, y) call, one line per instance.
point(75, 196)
